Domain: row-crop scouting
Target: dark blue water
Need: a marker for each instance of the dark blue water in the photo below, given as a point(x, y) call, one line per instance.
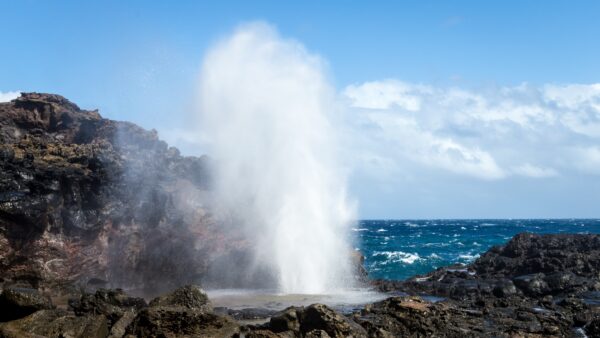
point(399, 249)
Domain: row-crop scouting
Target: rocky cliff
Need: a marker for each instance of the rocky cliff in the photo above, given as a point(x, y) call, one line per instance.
point(87, 199)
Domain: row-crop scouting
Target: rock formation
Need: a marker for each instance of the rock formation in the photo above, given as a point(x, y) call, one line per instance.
point(88, 199)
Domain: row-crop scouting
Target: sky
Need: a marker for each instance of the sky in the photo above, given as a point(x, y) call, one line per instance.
point(463, 109)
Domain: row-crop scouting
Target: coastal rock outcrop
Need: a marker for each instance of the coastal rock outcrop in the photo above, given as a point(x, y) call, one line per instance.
point(87, 199)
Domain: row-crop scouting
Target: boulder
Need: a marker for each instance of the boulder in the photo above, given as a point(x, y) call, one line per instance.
point(20, 302)
point(111, 303)
point(316, 320)
point(182, 313)
point(189, 296)
point(56, 324)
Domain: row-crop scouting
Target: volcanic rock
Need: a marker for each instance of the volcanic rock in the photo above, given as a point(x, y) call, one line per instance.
point(182, 313)
point(86, 199)
point(55, 324)
point(19, 302)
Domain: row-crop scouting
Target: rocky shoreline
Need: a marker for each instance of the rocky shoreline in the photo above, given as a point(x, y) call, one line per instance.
point(88, 203)
point(534, 286)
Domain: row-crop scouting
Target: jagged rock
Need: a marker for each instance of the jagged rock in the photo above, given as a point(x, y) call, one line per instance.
point(318, 317)
point(86, 198)
point(55, 324)
point(20, 302)
point(316, 320)
point(181, 322)
point(111, 303)
point(189, 296)
point(183, 312)
point(119, 328)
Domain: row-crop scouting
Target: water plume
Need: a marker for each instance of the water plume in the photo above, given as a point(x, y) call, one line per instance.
point(268, 112)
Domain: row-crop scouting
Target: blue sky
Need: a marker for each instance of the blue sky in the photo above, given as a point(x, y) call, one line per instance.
point(461, 109)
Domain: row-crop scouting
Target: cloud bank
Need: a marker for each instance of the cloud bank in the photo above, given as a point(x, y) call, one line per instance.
point(529, 131)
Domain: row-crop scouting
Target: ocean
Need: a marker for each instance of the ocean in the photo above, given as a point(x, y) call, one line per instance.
point(399, 249)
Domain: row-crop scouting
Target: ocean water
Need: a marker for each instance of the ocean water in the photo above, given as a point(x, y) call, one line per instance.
point(399, 249)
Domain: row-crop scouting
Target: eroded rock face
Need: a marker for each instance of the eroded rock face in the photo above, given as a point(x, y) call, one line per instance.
point(86, 198)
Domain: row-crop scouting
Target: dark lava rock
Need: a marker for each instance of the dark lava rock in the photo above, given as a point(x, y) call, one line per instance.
point(20, 302)
point(111, 303)
point(593, 328)
point(247, 313)
point(189, 296)
point(83, 198)
point(534, 285)
point(316, 320)
point(183, 312)
point(56, 324)
point(318, 317)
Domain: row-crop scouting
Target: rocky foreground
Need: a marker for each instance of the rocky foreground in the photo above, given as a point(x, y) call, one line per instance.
point(534, 286)
point(88, 203)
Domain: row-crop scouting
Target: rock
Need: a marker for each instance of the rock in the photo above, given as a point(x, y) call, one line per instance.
point(84, 198)
point(20, 302)
point(504, 288)
point(55, 324)
point(181, 322)
point(247, 314)
point(119, 328)
point(189, 296)
point(184, 312)
point(593, 328)
point(533, 285)
point(287, 320)
point(316, 320)
point(318, 317)
point(111, 303)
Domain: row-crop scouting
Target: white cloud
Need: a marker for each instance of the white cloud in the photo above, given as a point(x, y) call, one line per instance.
point(385, 94)
point(487, 134)
point(409, 140)
point(531, 170)
point(9, 96)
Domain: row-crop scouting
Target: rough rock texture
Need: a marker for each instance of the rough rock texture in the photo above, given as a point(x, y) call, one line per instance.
point(19, 302)
point(185, 312)
point(55, 324)
point(316, 320)
point(111, 303)
point(84, 198)
point(546, 285)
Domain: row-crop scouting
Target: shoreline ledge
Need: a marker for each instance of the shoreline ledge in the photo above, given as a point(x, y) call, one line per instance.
point(533, 286)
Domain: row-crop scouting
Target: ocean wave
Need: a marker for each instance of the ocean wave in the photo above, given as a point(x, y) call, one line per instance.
point(398, 256)
point(468, 257)
point(360, 229)
point(381, 230)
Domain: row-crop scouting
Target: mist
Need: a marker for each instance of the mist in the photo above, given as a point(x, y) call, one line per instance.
point(268, 114)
